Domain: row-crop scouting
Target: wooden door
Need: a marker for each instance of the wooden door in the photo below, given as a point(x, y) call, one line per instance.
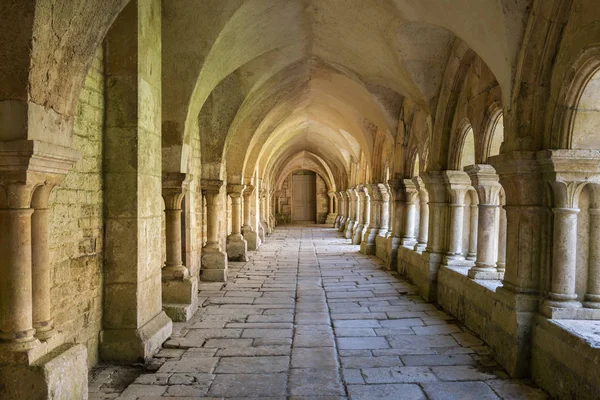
point(304, 197)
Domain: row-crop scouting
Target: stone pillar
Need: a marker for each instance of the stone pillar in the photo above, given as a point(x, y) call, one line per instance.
point(345, 210)
point(371, 218)
point(486, 184)
point(592, 296)
point(332, 215)
point(411, 195)
point(501, 264)
point(424, 215)
point(16, 287)
point(384, 211)
point(237, 247)
point(340, 218)
point(458, 184)
point(214, 259)
point(395, 238)
point(40, 252)
point(262, 207)
point(357, 229)
point(250, 235)
point(564, 246)
point(351, 220)
point(473, 223)
point(179, 288)
point(134, 323)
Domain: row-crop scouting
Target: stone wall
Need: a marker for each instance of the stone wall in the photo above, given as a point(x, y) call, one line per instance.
point(76, 231)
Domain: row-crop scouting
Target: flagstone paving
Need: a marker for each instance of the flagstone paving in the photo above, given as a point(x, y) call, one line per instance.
point(309, 317)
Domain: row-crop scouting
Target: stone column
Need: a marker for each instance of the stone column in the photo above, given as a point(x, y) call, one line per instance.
point(424, 215)
point(592, 296)
point(134, 322)
point(250, 235)
point(357, 229)
point(263, 226)
point(351, 220)
point(458, 184)
point(40, 252)
point(237, 247)
point(179, 289)
point(371, 218)
point(411, 194)
point(395, 238)
point(486, 184)
point(564, 246)
point(16, 306)
point(501, 264)
point(214, 259)
point(384, 211)
point(473, 223)
point(339, 219)
point(331, 216)
point(345, 208)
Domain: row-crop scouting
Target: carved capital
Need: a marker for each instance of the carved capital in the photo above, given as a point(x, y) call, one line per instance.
point(211, 186)
point(486, 183)
point(235, 190)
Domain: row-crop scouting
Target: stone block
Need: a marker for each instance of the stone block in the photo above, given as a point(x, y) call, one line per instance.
point(252, 239)
point(136, 344)
point(214, 267)
point(61, 375)
point(237, 250)
point(180, 298)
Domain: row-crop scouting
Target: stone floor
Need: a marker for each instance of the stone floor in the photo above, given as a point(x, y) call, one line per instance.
point(309, 317)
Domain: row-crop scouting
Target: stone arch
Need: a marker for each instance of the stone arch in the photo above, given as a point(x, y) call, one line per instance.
point(463, 141)
point(493, 126)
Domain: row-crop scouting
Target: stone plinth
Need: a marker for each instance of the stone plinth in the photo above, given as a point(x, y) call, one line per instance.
point(180, 298)
point(214, 266)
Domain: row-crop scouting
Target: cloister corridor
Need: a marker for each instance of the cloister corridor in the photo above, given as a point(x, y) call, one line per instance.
point(310, 317)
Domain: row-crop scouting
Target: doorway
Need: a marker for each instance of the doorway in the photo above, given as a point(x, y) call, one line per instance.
point(304, 196)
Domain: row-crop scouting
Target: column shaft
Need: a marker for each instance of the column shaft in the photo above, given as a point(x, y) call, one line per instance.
point(456, 230)
point(41, 284)
point(473, 235)
point(592, 296)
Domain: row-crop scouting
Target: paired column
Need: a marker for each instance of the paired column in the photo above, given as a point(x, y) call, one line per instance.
point(17, 333)
point(411, 195)
point(214, 259)
point(237, 247)
point(395, 237)
point(179, 289)
point(384, 210)
point(248, 232)
point(359, 220)
point(331, 216)
point(374, 201)
point(486, 184)
point(351, 220)
point(423, 215)
point(458, 184)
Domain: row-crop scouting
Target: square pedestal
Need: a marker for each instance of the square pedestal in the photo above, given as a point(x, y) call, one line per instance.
point(237, 250)
point(180, 298)
point(214, 266)
point(252, 240)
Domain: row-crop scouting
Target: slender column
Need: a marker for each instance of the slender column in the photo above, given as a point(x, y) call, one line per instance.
point(564, 259)
point(174, 187)
point(16, 308)
point(410, 215)
point(473, 222)
point(423, 217)
point(372, 216)
point(359, 215)
point(237, 246)
point(384, 219)
point(40, 252)
point(501, 264)
point(351, 220)
point(331, 216)
point(394, 238)
point(458, 183)
point(214, 260)
point(250, 235)
point(592, 296)
point(486, 184)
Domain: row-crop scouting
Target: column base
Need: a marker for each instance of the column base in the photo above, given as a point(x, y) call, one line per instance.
point(252, 239)
point(237, 250)
point(214, 266)
point(409, 243)
point(393, 242)
point(454, 259)
point(357, 234)
point(368, 245)
point(63, 374)
point(180, 298)
point(349, 229)
point(331, 218)
point(135, 344)
point(261, 232)
point(420, 247)
point(485, 273)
